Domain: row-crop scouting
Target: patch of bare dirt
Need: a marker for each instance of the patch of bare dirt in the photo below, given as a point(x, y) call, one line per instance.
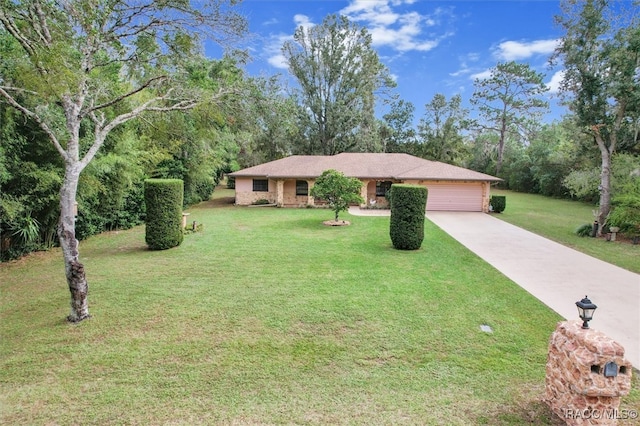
point(336, 223)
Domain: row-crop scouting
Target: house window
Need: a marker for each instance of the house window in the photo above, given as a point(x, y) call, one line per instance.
point(260, 185)
point(383, 187)
point(302, 187)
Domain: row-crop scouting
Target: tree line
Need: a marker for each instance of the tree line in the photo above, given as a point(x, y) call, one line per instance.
point(97, 96)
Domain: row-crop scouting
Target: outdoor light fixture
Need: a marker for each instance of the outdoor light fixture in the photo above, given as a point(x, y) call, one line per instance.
point(586, 309)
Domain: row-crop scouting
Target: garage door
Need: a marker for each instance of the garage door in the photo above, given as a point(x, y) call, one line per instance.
point(455, 197)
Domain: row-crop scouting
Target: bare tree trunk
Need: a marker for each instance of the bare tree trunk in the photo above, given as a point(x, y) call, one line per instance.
point(503, 135)
point(604, 205)
point(74, 270)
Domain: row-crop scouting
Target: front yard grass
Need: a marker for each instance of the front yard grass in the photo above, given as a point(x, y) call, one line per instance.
point(558, 220)
point(269, 317)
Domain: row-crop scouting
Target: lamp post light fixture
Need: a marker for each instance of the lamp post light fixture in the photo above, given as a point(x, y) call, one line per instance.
point(585, 310)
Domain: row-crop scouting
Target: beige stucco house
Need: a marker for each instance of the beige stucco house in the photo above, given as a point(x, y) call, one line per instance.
point(287, 182)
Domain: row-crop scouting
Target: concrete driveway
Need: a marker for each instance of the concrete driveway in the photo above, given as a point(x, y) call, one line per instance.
point(556, 275)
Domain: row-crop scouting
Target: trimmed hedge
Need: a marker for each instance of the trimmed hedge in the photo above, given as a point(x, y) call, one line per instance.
point(408, 204)
point(498, 203)
point(163, 198)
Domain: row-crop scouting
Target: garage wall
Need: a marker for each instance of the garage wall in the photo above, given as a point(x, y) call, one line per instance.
point(453, 196)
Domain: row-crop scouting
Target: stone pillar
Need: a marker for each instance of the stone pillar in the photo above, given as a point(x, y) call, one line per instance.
point(279, 192)
point(310, 198)
point(486, 196)
point(363, 193)
point(586, 375)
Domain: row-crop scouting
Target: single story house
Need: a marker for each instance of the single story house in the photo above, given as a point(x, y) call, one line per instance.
point(287, 182)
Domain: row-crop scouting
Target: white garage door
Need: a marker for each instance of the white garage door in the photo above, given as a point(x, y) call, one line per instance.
point(454, 197)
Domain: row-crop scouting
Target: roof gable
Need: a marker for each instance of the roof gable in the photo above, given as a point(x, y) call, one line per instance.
point(362, 165)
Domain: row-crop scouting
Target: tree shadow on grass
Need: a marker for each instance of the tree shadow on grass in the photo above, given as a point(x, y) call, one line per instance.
point(128, 249)
point(533, 412)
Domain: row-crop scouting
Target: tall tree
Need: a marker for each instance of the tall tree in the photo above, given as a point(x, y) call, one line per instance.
point(338, 73)
point(440, 129)
point(509, 101)
point(601, 55)
point(269, 118)
point(86, 67)
point(399, 135)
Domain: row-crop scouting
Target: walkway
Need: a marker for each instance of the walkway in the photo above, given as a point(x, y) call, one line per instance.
point(557, 275)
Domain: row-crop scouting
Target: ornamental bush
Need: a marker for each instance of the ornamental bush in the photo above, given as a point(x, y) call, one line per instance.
point(626, 214)
point(163, 198)
point(338, 190)
point(498, 203)
point(408, 204)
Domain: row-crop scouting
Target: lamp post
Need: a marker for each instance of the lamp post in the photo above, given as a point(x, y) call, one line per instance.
point(585, 310)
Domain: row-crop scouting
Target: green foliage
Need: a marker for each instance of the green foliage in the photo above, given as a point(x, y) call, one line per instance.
point(338, 190)
point(483, 153)
point(77, 72)
point(509, 101)
point(163, 198)
point(599, 53)
point(406, 226)
point(267, 125)
point(261, 202)
point(339, 74)
point(26, 229)
point(440, 130)
point(397, 132)
point(29, 185)
point(583, 184)
point(626, 214)
point(498, 203)
point(111, 189)
point(584, 230)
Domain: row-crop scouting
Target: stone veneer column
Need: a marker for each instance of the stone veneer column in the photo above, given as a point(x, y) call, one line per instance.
point(280, 192)
point(310, 198)
point(486, 196)
point(577, 389)
point(363, 193)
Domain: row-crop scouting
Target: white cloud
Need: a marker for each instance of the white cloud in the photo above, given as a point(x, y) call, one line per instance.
point(273, 50)
point(465, 68)
point(481, 75)
point(462, 71)
point(302, 21)
point(515, 50)
point(554, 83)
point(273, 47)
point(400, 30)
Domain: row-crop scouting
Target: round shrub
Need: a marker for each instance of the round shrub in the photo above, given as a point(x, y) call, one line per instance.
point(163, 198)
point(584, 230)
point(408, 204)
point(498, 203)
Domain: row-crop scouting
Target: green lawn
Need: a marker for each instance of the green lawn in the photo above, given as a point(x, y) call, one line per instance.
point(269, 317)
point(558, 220)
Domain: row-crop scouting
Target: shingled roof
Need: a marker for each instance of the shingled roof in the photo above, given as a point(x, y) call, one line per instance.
point(363, 166)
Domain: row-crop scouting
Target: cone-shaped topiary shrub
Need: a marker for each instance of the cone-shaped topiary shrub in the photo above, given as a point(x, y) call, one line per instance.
point(163, 198)
point(498, 203)
point(408, 204)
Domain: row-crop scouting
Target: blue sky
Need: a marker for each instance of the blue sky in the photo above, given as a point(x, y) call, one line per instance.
point(429, 46)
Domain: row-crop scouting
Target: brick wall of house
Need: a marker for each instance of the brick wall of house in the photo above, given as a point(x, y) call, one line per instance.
point(246, 196)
